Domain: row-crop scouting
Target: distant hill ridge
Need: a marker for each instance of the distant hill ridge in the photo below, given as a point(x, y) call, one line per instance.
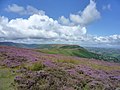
point(40, 46)
point(64, 49)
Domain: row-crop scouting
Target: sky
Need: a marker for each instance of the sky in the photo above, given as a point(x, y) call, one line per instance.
point(82, 22)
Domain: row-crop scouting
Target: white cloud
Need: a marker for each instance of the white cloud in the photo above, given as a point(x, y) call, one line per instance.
point(29, 10)
point(109, 40)
point(40, 28)
point(15, 8)
point(64, 21)
point(88, 15)
point(106, 7)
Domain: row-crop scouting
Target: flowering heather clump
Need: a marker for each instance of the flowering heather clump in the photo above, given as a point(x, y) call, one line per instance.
point(41, 80)
point(13, 57)
point(39, 71)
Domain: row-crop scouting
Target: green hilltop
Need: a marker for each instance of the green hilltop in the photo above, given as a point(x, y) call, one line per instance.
point(64, 49)
point(74, 50)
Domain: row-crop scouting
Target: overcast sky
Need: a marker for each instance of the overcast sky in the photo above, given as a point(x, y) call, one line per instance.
point(83, 22)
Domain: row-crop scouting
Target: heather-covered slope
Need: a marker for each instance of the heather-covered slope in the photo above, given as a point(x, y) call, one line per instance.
point(69, 50)
point(27, 69)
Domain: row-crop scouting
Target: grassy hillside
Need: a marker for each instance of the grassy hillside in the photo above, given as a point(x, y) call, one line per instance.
point(69, 50)
point(75, 50)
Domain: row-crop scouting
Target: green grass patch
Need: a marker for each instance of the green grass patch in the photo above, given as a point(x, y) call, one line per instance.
point(104, 67)
point(68, 61)
point(70, 52)
point(6, 79)
point(35, 66)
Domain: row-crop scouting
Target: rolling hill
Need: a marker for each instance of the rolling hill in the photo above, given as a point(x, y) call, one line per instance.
point(64, 49)
point(75, 50)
